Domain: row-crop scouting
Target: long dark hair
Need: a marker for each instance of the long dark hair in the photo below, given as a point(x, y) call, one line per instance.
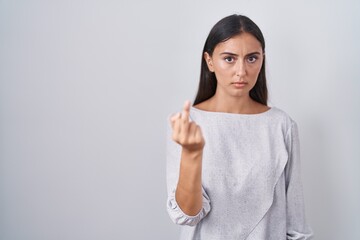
point(223, 30)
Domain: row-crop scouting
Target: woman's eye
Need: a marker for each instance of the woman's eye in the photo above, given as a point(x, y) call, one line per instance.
point(252, 59)
point(229, 59)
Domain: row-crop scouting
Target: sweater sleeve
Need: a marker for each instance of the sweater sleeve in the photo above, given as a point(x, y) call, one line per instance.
point(297, 228)
point(173, 155)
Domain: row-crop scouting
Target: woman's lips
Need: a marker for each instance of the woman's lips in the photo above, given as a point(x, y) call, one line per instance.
point(239, 84)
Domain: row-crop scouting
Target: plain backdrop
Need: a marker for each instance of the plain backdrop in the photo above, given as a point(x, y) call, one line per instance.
point(86, 88)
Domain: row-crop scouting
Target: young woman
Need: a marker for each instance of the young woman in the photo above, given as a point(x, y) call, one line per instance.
point(233, 167)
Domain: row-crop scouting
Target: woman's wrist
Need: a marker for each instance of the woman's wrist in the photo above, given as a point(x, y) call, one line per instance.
point(193, 154)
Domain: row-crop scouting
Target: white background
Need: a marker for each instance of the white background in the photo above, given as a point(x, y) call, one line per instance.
point(86, 87)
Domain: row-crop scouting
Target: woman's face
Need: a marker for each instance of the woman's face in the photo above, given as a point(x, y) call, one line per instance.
point(236, 64)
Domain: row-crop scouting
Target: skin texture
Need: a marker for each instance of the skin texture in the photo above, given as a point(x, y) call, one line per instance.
point(236, 64)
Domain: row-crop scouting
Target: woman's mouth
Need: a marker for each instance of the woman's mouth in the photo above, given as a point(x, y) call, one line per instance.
point(239, 84)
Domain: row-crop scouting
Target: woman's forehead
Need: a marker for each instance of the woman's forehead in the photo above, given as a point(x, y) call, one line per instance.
point(243, 42)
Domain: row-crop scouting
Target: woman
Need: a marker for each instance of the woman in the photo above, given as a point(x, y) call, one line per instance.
point(233, 167)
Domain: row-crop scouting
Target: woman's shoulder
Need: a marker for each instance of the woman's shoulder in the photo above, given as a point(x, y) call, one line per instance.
point(276, 111)
point(279, 112)
point(284, 119)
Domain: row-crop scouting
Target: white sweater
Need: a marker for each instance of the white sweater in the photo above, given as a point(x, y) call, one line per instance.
point(251, 179)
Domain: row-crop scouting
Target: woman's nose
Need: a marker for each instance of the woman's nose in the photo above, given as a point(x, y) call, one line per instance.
point(240, 69)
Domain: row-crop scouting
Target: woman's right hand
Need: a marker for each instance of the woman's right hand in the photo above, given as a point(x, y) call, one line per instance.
point(185, 132)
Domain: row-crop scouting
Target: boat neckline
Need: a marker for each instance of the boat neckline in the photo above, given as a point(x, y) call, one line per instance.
point(233, 114)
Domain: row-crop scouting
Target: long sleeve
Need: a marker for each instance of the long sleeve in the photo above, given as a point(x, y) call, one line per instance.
point(173, 164)
point(297, 228)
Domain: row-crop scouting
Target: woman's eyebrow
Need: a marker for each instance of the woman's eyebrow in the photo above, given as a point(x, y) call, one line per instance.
point(253, 53)
point(234, 54)
point(229, 53)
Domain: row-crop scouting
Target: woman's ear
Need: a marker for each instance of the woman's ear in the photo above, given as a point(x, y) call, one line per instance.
point(208, 61)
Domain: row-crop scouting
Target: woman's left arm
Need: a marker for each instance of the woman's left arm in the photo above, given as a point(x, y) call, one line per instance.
point(297, 227)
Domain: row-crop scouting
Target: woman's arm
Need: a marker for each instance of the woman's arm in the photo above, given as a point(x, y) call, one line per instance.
point(187, 203)
point(297, 227)
point(189, 191)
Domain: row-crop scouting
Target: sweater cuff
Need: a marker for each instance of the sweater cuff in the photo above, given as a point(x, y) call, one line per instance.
point(181, 218)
